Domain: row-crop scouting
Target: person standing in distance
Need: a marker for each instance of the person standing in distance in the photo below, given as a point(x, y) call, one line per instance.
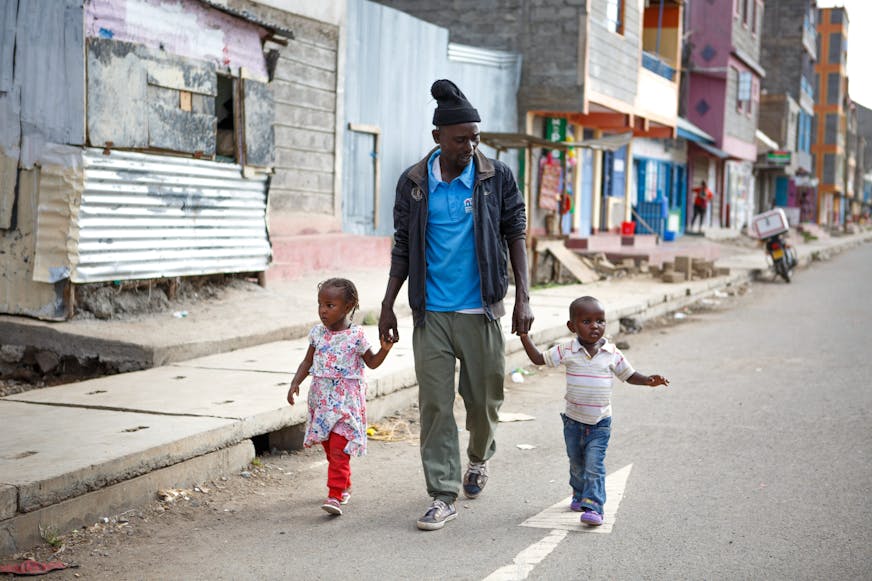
point(459, 219)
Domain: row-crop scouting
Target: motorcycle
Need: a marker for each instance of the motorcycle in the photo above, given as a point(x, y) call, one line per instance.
point(781, 256)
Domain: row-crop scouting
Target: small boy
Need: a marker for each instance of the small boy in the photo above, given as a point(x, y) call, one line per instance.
point(591, 363)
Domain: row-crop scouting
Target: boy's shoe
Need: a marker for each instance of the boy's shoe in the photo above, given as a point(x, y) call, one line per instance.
point(474, 479)
point(575, 505)
point(331, 505)
point(346, 496)
point(437, 515)
point(592, 518)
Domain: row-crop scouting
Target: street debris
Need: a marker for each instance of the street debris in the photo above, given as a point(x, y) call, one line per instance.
point(630, 325)
point(33, 568)
point(526, 447)
point(391, 429)
point(514, 417)
point(169, 495)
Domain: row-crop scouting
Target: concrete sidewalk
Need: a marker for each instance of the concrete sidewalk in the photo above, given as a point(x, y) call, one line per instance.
point(75, 453)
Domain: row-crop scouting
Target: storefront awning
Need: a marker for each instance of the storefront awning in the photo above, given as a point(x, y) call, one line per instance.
point(719, 153)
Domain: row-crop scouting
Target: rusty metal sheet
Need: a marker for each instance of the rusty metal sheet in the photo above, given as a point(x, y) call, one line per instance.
point(183, 75)
point(117, 96)
point(176, 130)
point(259, 119)
point(152, 216)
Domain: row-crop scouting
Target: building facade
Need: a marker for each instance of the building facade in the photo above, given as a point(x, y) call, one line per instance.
point(829, 146)
point(723, 99)
point(788, 52)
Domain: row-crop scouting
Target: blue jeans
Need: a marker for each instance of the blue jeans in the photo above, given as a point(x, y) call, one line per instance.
point(586, 447)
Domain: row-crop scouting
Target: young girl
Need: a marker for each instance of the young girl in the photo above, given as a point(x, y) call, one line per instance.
point(337, 396)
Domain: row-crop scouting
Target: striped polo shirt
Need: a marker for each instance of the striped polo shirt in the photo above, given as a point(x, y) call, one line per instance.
point(589, 379)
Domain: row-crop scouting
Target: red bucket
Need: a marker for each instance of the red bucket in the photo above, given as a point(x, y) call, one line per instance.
point(628, 228)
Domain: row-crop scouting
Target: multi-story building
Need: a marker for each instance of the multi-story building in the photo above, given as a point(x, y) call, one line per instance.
point(723, 97)
point(590, 69)
point(788, 51)
point(830, 114)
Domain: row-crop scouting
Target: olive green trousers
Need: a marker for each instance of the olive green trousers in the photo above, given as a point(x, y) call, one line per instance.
point(478, 344)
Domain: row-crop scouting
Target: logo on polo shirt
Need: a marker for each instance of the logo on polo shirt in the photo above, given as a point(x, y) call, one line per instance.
point(467, 205)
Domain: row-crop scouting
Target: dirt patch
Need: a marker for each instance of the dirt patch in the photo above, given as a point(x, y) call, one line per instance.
point(122, 300)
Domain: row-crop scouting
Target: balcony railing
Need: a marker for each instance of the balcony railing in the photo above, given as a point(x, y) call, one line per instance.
point(656, 65)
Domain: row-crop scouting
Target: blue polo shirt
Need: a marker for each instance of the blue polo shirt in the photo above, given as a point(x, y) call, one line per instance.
point(453, 282)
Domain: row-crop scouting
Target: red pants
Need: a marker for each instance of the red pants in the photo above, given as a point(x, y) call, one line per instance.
point(338, 465)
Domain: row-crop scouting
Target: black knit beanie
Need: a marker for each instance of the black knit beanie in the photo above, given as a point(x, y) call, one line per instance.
point(452, 107)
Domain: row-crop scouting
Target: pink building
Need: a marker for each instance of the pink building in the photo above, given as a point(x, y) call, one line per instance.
point(723, 99)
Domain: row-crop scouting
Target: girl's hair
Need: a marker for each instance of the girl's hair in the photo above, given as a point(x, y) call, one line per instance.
point(348, 289)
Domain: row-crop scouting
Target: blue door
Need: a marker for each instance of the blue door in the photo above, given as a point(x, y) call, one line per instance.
point(614, 181)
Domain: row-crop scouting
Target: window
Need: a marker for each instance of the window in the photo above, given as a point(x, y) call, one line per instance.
point(746, 11)
point(615, 16)
point(836, 16)
point(803, 134)
point(829, 176)
point(834, 93)
point(755, 94)
point(831, 128)
point(835, 54)
point(753, 16)
point(225, 144)
point(744, 90)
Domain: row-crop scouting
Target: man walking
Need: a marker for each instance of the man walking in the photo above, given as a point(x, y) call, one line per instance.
point(458, 220)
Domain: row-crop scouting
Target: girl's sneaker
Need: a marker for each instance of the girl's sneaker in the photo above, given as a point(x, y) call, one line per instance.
point(575, 505)
point(592, 518)
point(331, 506)
point(346, 496)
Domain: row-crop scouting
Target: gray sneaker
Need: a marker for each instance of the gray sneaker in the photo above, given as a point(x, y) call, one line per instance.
point(437, 515)
point(475, 479)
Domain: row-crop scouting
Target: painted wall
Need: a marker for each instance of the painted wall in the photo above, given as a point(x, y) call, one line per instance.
point(185, 28)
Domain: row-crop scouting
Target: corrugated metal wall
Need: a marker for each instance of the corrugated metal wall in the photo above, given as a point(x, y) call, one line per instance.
point(392, 59)
point(150, 216)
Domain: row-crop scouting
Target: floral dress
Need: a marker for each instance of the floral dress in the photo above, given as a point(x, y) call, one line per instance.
point(337, 396)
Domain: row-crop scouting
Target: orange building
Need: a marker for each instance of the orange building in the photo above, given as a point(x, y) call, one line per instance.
point(830, 115)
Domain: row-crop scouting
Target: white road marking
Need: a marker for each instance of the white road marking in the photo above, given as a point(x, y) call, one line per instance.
point(560, 517)
point(562, 521)
point(523, 564)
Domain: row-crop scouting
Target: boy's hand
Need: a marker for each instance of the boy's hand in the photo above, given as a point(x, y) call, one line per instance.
point(655, 380)
point(295, 390)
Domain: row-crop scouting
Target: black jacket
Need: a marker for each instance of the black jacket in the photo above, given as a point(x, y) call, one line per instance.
point(499, 218)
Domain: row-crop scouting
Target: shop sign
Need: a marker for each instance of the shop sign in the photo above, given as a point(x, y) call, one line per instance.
point(778, 157)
